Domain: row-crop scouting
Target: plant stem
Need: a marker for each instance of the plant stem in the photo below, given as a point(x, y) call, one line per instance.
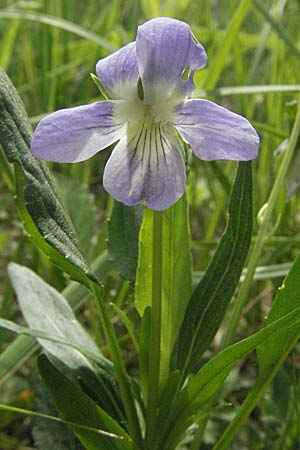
point(263, 231)
point(121, 374)
point(154, 362)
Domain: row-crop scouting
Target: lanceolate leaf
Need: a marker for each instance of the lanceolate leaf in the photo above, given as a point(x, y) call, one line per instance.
point(201, 388)
point(212, 295)
point(43, 216)
point(45, 309)
point(177, 276)
point(287, 299)
point(49, 434)
point(22, 348)
point(271, 354)
point(77, 407)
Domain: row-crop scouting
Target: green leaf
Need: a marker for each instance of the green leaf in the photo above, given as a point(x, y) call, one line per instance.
point(212, 295)
point(201, 388)
point(22, 348)
point(42, 335)
point(77, 407)
point(36, 297)
point(48, 434)
point(273, 352)
point(123, 235)
point(29, 412)
point(41, 211)
point(287, 299)
point(177, 276)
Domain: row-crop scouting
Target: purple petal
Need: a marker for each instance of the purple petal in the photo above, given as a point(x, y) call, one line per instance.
point(165, 48)
point(119, 73)
point(76, 134)
point(214, 132)
point(147, 165)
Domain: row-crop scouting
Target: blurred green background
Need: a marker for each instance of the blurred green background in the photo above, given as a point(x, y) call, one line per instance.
point(49, 48)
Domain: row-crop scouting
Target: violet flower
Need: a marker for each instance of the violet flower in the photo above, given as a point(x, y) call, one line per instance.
point(148, 82)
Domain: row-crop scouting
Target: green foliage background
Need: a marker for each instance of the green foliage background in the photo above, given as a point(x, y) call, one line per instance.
point(48, 48)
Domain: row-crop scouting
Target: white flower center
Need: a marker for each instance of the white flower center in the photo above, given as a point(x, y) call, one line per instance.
point(135, 110)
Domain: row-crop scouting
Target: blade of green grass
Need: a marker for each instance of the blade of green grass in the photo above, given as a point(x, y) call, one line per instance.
point(278, 29)
point(8, 42)
point(219, 61)
point(59, 23)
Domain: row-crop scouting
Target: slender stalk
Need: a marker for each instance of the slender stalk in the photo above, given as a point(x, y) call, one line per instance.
point(263, 231)
point(124, 383)
point(154, 363)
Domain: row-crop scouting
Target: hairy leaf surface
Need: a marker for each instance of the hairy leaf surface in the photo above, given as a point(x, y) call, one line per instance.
point(38, 203)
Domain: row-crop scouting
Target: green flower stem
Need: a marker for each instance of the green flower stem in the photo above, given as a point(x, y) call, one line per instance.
point(154, 362)
point(124, 383)
point(263, 230)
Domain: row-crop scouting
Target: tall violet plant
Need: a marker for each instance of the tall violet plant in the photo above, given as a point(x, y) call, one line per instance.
point(150, 114)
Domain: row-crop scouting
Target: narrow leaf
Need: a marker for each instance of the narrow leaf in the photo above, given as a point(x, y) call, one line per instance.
point(22, 348)
point(55, 419)
point(45, 309)
point(287, 299)
point(272, 353)
point(50, 434)
point(40, 334)
point(201, 388)
point(77, 407)
point(212, 295)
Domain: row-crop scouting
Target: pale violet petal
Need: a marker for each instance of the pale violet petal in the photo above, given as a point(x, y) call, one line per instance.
point(214, 132)
point(118, 73)
point(76, 134)
point(146, 166)
point(165, 48)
